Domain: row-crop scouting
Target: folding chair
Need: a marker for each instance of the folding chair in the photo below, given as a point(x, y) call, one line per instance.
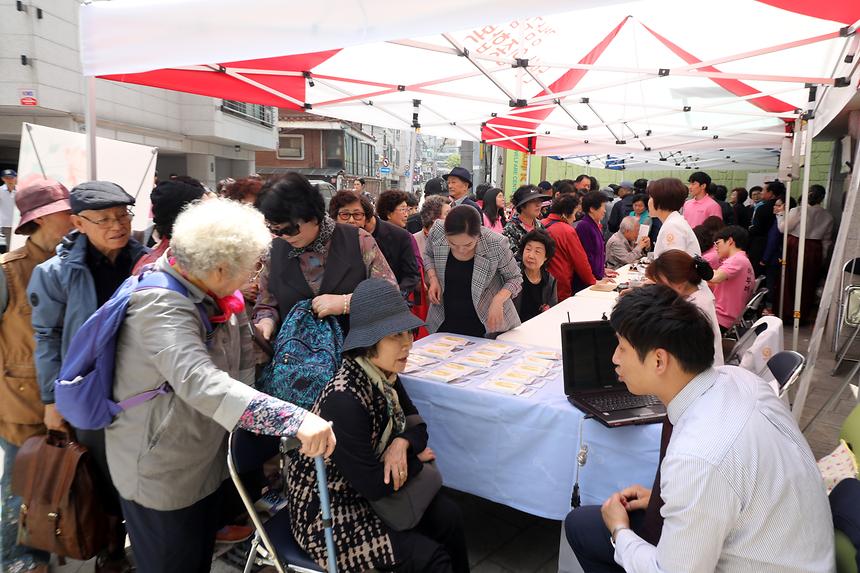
point(786, 367)
point(748, 315)
point(273, 542)
point(849, 315)
point(851, 267)
point(762, 339)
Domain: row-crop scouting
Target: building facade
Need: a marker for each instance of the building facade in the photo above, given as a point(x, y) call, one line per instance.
point(41, 83)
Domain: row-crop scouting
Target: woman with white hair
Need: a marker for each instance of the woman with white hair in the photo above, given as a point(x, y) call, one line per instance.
point(167, 455)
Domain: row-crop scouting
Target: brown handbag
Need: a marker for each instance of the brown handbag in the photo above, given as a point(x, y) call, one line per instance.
point(60, 510)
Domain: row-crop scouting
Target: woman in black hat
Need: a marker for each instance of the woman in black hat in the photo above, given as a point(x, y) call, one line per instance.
point(382, 467)
point(527, 200)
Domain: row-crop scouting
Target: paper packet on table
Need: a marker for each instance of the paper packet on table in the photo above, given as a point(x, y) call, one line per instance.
point(452, 341)
point(440, 352)
point(476, 361)
point(443, 374)
point(507, 387)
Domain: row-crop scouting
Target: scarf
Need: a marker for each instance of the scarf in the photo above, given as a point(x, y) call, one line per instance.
point(385, 384)
point(320, 244)
point(228, 305)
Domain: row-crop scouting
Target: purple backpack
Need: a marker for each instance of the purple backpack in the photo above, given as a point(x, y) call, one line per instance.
point(84, 390)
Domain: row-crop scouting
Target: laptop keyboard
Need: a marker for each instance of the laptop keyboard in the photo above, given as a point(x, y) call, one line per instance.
point(615, 402)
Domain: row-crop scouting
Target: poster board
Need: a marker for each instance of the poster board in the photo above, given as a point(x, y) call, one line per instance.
point(62, 155)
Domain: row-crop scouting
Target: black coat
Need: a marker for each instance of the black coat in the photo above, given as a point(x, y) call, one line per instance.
point(396, 246)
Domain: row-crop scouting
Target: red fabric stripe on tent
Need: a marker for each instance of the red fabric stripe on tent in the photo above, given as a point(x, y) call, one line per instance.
point(218, 84)
point(566, 82)
point(845, 11)
point(736, 87)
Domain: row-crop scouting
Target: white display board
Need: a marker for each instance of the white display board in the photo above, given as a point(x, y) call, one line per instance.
point(754, 179)
point(62, 155)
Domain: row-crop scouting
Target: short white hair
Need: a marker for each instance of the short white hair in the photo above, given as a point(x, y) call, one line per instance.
point(629, 223)
point(219, 233)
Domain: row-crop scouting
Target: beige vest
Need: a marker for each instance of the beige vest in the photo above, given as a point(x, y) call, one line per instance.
point(21, 409)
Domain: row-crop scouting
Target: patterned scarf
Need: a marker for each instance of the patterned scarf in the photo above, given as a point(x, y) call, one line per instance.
point(385, 384)
point(320, 244)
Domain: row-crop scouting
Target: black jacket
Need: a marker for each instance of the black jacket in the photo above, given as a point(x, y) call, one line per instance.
point(396, 246)
point(620, 210)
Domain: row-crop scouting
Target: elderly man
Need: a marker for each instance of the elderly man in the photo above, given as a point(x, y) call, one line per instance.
point(91, 262)
point(459, 182)
point(625, 246)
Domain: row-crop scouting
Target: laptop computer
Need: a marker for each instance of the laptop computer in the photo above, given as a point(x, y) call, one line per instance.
point(590, 381)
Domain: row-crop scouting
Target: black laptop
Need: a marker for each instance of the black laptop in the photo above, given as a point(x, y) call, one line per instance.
point(590, 381)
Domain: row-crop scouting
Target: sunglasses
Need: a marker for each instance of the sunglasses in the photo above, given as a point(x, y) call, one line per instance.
point(290, 229)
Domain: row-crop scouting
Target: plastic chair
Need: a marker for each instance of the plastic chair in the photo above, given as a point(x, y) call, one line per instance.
point(273, 542)
point(846, 555)
point(851, 267)
point(786, 367)
point(748, 315)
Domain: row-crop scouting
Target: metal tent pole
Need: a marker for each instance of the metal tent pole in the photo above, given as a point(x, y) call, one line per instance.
point(414, 141)
point(90, 124)
point(782, 262)
point(804, 208)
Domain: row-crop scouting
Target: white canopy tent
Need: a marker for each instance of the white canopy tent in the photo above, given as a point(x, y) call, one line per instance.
point(695, 83)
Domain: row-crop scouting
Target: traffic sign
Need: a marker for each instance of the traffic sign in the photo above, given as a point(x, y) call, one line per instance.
point(385, 170)
point(27, 96)
point(385, 162)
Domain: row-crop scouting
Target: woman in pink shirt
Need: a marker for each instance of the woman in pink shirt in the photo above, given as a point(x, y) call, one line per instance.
point(734, 280)
point(494, 210)
point(705, 234)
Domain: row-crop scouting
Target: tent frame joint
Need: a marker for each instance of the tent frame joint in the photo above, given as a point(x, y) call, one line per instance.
point(520, 63)
point(663, 72)
point(841, 82)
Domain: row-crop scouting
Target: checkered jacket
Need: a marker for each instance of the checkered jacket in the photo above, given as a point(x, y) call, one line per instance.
point(495, 269)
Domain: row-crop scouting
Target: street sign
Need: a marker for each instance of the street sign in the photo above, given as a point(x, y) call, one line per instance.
point(385, 170)
point(27, 96)
point(385, 162)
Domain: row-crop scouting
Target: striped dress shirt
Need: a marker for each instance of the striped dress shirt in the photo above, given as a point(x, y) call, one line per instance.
point(740, 486)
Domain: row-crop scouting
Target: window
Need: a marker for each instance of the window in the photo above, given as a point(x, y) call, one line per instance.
point(333, 143)
point(291, 146)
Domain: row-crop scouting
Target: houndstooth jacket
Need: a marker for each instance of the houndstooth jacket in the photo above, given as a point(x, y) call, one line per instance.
point(495, 269)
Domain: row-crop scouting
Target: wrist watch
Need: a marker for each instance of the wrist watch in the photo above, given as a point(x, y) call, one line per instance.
point(614, 533)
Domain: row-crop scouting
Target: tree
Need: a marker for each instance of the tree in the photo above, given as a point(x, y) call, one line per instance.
point(453, 160)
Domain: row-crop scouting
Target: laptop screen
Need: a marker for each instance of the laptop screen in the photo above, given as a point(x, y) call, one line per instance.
point(586, 350)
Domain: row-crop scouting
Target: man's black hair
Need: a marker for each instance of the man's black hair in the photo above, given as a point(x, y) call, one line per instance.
point(701, 178)
point(655, 316)
point(640, 185)
point(740, 236)
point(777, 188)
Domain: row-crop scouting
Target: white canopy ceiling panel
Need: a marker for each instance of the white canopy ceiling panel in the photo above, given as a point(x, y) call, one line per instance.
point(637, 77)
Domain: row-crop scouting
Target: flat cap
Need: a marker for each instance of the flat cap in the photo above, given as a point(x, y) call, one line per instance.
point(95, 195)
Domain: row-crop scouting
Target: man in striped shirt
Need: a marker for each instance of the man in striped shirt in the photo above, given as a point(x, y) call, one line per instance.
point(739, 486)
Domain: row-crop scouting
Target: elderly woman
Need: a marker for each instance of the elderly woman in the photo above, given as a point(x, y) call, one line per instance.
point(591, 235)
point(382, 459)
point(392, 206)
point(395, 243)
point(684, 274)
point(167, 455)
point(472, 277)
point(435, 208)
point(539, 290)
point(311, 257)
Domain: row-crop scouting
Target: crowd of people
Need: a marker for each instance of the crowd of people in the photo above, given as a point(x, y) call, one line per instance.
point(464, 261)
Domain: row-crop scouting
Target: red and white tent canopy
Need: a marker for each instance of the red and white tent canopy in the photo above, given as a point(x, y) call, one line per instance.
point(684, 81)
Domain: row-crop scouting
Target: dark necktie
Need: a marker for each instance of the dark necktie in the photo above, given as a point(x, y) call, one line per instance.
point(653, 524)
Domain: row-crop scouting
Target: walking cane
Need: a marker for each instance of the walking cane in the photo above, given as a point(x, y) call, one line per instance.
point(322, 483)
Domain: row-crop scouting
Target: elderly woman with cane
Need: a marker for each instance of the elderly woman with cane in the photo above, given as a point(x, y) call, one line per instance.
point(167, 456)
point(388, 513)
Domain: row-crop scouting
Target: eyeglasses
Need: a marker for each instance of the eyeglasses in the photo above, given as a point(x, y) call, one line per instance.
point(345, 215)
point(110, 221)
point(402, 209)
point(290, 229)
point(258, 270)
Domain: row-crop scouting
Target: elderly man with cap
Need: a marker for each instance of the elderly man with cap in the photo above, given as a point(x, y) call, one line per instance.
point(527, 201)
point(622, 208)
point(65, 291)
point(7, 207)
point(459, 182)
point(44, 207)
